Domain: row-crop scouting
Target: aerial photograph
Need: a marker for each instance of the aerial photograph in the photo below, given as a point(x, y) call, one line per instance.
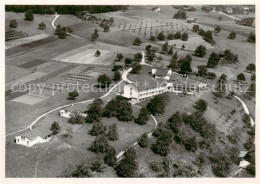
point(130, 91)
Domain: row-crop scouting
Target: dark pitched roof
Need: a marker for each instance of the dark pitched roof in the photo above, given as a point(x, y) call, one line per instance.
point(149, 84)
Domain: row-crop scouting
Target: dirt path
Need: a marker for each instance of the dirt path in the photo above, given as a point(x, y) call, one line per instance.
point(53, 25)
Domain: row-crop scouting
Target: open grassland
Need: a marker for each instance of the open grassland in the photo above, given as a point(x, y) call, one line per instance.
point(50, 156)
point(30, 27)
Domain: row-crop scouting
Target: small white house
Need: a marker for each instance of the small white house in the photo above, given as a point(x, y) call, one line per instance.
point(65, 113)
point(161, 73)
point(244, 164)
point(33, 137)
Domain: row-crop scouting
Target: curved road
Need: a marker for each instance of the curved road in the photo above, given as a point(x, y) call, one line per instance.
point(53, 25)
point(60, 107)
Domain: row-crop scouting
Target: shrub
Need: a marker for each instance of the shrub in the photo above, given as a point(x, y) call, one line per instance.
point(117, 76)
point(28, 15)
point(94, 112)
point(42, 26)
point(112, 133)
point(143, 140)
point(180, 15)
point(100, 145)
point(217, 29)
point(251, 67)
point(96, 166)
point(143, 116)
point(127, 166)
point(137, 41)
point(160, 36)
point(103, 81)
point(184, 36)
point(97, 129)
point(200, 51)
point(241, 77)
point(155, 166)
point(213, 60)
point(55, 128)
point(177, 35)
point(13, 24)
point(157, 104)
point(110, 157)
point(97, 53)
point(73, 95)
point(76, 119)
point(232, 35)
point(251, 38)
point(175, 122)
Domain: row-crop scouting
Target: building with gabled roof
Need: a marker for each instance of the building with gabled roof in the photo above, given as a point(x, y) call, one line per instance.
point(144, 89)
point(33, 137)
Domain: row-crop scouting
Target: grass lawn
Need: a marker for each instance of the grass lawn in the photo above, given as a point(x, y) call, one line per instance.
point(60, 153)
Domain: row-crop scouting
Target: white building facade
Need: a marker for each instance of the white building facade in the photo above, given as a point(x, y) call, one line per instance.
point(23, 140)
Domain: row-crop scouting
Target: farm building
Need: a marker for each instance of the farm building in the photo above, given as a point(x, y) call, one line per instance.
point(161, 73)
point(33, 137)
point(142, 90)
point(191, 20)
point(67, 114)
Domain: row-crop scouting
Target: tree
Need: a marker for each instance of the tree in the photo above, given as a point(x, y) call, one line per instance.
point(148, 48)
point(156, 106)
point(106, 28)
point(97, 129)
point(251, 38)
point(241, 77)
point(175, 122)
point(136, 69)
point(81, 171)
point(180, 15)
point(143, 116)
point(127, 166)
point(94, 35)
point(213, 60)
point(185, 66)
point(160, 36)
point(177, 35)
point(96, 166)
point(28, 15)
point(62, 34)
point(220, 164)
point(208, 36)
point(100, 145)
point(128, 61)
point(251, 67)
point(119, 107)
point(161, 146)
point(152, 38)
point(253, 77)
point(170, 36)
point(137, 41)
point(76, 119)
point(110, 157)
point(97, 53)
point(200, 51)
point(119, 56)
point(69, 30)
point(217, 29)
point(170, 51)
point(55, 128)
point(175, 56)
point(184, 36)
point(143, 140)
point(42, 26)
point(103, 81)
point(251, 90)
point(195, 28)
point(117, 76)
point(112, 134)
point(94, 112)
point(165, 47)
point(73, 95)
point(232, 35)
point(138, 56)
point(202, 70)
point(13, 24)
point(230, 57)
point(201, 105)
